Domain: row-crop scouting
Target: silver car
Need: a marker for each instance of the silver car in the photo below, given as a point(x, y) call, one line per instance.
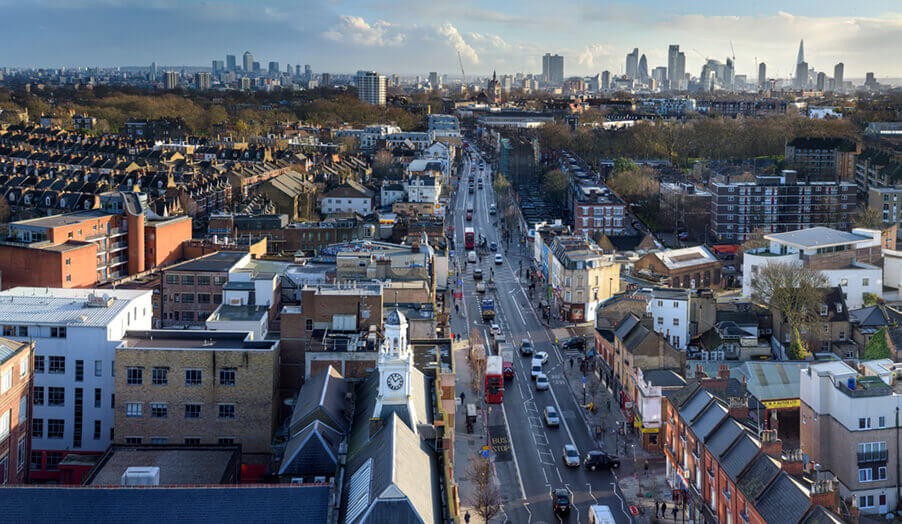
point(541, 382)
point(571, 456)
point(551, 418)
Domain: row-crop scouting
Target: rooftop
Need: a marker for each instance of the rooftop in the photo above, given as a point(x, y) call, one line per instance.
point(227, 313)
point(816, 237)
point(66, 219)
point(178, 339)
point(65, 307)
point(686, 257)
point(221, 261)
point(179, 466)
point(9, 348)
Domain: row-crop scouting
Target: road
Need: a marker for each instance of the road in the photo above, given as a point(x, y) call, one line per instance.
point(534, 467)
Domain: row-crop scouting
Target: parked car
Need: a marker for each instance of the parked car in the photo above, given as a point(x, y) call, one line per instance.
point(493, 210)
point(525, 347)
point(541, 382)
point(600, 460)
point(574, 343)
point(498, 260)
point(570, 455)
point(477, 274)
point(551, 418)
point(541, 356)
point(561, 501)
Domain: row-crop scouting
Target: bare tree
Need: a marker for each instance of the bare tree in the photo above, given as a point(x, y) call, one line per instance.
point(382, 164)
point(792, 290)
point(477, 362)
point(484, 498)
point(869, 218)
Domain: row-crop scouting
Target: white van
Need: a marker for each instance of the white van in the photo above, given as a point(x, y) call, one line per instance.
point(601, 515)
point(471, 257)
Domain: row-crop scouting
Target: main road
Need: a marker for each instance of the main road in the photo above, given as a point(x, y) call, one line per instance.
point(527, 453)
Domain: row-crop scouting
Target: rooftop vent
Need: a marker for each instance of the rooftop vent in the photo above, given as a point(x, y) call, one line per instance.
point(141, 476)
point(99, 300)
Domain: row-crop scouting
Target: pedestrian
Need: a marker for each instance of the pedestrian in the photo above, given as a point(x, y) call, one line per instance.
point(571, 362)
point(663, 509)
point(467, 517)
point(646, 467)
point(462, 397)
point(657, 508)
point(674, 511)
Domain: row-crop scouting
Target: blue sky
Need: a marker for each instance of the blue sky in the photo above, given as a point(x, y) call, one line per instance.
point(416, 36)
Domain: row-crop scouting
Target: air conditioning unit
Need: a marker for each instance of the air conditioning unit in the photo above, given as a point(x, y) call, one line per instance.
point(297, 481)
point(141, 476)
point(319, 480)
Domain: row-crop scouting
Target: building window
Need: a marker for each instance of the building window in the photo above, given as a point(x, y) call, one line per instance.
point(21, 453)
point(158, 410)
point(133, 409)
point(53, 460)
point(159, 441)
point(227, 377)
point(5, 421)
point(192, 410)
point(187, 298)
point(192, 377)
point(217, 299)
point(38, 364)
point(79, 370)
point(37, 428)
point(227, 411)
point(881, 421)
point(36, 459)
point(881, 473)
point(134, 376)
point(308, 324)
point(203, 280)
point(865, 282)
point(39, 395)
point(226, 441)
point(187, 280)
point(203, 298)
point(98, 368)
point(133, 441)
point(192, 441)
point(57, 365)
point(172, 279)
point(864, 423)
point(98, 398)
point(866, 501)
point(676, 322)
point(56, 427)
point(6, 380)
point(58, 332)
point(23, 367)
point(865, 475)
point(159, 376)
point(56, 396)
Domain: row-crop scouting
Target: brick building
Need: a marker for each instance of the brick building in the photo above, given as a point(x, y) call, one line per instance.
point(822, 158)
point(15, 410)
point(596, 211)
point(198, 387)
point(190, 291)
point(689, 267)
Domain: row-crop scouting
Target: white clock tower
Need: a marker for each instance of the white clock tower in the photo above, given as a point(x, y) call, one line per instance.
point(395, 364)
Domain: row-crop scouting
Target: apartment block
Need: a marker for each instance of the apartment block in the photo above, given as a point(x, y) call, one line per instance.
point(198, 387)
point(16, 376)
point(776, 204)
point(192, 290)
point(76, 332)
point(849, 427)
point(669, 308)
point(887, 203)
point(580, 277)
point(878, 165)
point(85, 248)
point(822, 158)
point(597, 210)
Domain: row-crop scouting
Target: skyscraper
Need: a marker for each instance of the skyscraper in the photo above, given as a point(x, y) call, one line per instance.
point(171, 80)
point(762, 76)
point(672, 53)
point(821, 81)
point(729, 74)
point(248, 62)
point(230, 62)
point(297, 70)
point(801, 80)
point(202, 80)
point(679, 71)
point(326, 79)
point(643, 69)
point(553, 69)
point(433, 80)
point(632, 64)
point(153, 70)
point(801, 57)
point(308, 73)
point(273, 68)
point(605, 80)
point(659, 75)
point(838, 77)
point(371, 87)
point(218, 66)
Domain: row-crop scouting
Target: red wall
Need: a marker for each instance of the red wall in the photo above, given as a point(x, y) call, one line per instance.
point(165, 246)
point(22, 266)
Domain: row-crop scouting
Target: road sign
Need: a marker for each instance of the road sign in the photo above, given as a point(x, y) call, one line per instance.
point(485, 454)
point(486, 448)
point(584, 381)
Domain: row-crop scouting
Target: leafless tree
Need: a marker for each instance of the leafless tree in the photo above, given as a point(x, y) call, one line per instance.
point(869, 218)
point(484, 498)
point(792, 290)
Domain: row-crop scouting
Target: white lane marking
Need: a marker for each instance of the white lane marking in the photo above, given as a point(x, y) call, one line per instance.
point(513, 453)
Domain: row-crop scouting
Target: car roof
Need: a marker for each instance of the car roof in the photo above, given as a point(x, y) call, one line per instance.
point(550, 408)
point(569, 447)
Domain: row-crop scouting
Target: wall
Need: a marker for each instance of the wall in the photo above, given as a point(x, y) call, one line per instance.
point(165, 240)
point(19, 420)
point(23, 266)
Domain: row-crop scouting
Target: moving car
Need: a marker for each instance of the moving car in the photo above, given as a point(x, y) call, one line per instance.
point(541, 356)
point(469, 216)
point(471, 257)
point(480, 287)
point(570, 455)
point(560, 501)
point(525, 347)
point(601, 515)
point(493, 246)
point(493, 209)
point(551, 418)
point(600, 460)
point(477, 274)
point(541, 382)
point(495, 329)
point(498, 260)
point(535, 369)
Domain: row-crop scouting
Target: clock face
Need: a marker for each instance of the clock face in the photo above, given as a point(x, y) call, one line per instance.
point(394, 381)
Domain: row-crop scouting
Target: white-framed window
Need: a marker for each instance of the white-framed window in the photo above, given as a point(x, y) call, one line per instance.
point(865, 475)
point(864, 423)
point(866, 501)
point(193, 377)
point(23, 367)
point(4, 424)
point(881, 421)
point(158, 410)
point(133, 409)
point(6, 381)
point(226, 411)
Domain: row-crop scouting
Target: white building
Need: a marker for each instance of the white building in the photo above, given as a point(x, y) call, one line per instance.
point(670, 310)
point(76, 332)
point(834, 253)
point(371, 87)
point(416, 140)
point(424, 189)
point(444, 126)
point(350, 197)
point(253, 319)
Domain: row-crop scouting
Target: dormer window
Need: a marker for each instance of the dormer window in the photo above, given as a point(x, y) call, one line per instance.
point(838, 307)
point(823, 310)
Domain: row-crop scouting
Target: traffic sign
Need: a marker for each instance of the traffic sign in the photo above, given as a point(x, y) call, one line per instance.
point(584, 381)
point(486, 448)
point(485, 454)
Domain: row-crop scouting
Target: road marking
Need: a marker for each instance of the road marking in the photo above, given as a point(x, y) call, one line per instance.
point(558, 471)
point(513, 452)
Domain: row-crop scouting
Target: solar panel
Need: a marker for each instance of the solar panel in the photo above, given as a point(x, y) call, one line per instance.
point(359, 491)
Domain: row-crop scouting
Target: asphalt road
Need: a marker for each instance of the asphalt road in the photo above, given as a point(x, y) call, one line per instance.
point(535, 467)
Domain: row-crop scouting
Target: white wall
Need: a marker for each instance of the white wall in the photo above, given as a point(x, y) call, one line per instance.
point(363, 205)
point(665, 311)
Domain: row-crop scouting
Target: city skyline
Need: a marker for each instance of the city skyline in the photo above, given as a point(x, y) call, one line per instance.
point(414, 39)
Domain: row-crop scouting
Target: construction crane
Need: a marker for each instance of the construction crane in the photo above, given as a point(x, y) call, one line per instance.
point(701, 55)
point(461, 62)
point(733, 53)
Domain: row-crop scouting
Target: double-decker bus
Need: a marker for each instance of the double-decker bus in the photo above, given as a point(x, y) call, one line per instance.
point(494, 380)
point(469, 238)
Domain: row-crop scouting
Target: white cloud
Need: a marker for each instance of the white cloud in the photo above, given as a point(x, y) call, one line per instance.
point(595, 55)
point(355, 30)
point(453, 38)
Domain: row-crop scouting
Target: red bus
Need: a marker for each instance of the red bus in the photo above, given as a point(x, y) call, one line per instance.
point(469, 238)
point(494, 380)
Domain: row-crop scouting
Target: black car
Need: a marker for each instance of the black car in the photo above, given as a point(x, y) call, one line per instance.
point(600, 460)
point(574, 343)
point(561, 501)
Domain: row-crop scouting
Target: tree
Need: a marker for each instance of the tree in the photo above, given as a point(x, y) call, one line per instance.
point(791, 290)
point(554, 185)
point(797, 350)
point(878, 347)
point(622, 165)
point(382, 164)
point(868, 218)
point(501, 185)
point(484, 498)
point(870, 299)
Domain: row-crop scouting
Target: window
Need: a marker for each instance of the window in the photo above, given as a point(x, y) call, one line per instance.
point(172, 279)
point(56, 427)
point(227, 377)
point(20, 454)
point(133, 441)
point(192, 441)
point(133, 409)
point(188, 298)
point(159, 441)
point(57, 365)
point(881, 473)
point(866, 501)
point(226, 441)
point(203, 280)
point(53, 460)
point(79, 370)
point(203, 298)
point(98, 368)
point(134, 376)
point(676, 322)
point(5, 421)
point(97, 428)
point(864, 423)
point(865, 475)
point(56, 396)
point(192, 410)
point(159, 376)
point(39, 395)
point(865, 281)
point(217, 299)
point(23, 367)
point(308, 324)
point(187, 280)
point(158, 410)
point(57, 332)
point(36, 459)
point(38, 364)
point(227, 411)
point(192, 377)
point(6, 381)
point(881, 421)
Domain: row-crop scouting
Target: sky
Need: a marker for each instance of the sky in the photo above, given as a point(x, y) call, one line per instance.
point(410, 37)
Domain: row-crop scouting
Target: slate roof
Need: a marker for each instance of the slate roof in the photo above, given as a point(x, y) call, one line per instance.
point(323, 398)
point(758, 476)
point(723, 437)
point(695, 405)
point(313, 451)
point(151, 505)
point(738, 456)
point(821, 515)
point(785, 500)
point(663, 378)
point(875, 316)
point(626, 325)
point(705, 423)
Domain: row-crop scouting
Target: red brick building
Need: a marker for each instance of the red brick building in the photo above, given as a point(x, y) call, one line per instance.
point(190, 291)
point(15, 410)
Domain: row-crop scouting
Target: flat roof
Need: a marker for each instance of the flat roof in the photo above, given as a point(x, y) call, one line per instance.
point(66, 307)
point(227, 313)
point(686, 257)
point(66, 219)
point(816, 237)
point(179, 466)
point(215, 262)
point(179, 339)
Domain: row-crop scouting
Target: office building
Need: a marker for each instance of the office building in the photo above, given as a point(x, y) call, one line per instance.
point(244, 83)
point(273, 68)
point(643, 69)
point(325, 79)
point(762, 76)
point(171, 80)
point(248, 60)
point(801, 56)
point(76, 332)
point(202, 80)
point(308, 72)
point(153, 70)
point(297, 70)
point(192, 290)
point(605, 80)
point(553, 69)
point(15, 409)
point(838, 70)
point(659, 75)
point(672, 53)
point(680, 72)
point(434, 81)
point(801, 78)
point(777, 203)
point(632, 64)
point(371, 87)
point(218, 67)
point(230, 63)
point(821, 83)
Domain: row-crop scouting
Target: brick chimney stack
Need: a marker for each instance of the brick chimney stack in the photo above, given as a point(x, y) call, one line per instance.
point(738, 407)
point(823, 493)
point(792, 462)
point(724, 371)
point(770, 444)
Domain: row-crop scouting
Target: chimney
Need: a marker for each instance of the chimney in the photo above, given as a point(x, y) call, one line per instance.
point(738, 407)
point(792, 463)
point(770, 444)
point(823, 493)
point(724, 371)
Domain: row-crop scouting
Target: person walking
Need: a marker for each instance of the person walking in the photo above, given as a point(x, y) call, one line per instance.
point(657, 508)
point(674, 511)
point(571, 362)
point(663, 509)
point(462, 397)
point(467, 517)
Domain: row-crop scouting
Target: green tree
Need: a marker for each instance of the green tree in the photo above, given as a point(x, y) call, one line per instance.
point(870, 299)
point(797, 350)
point(554, 185)
point(622, 165)
point(877, 347)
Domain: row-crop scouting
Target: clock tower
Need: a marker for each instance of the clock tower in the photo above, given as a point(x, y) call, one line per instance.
point(395, 364)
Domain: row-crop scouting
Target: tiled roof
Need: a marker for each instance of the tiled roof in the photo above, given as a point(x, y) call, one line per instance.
point(785, 500)
point(758, 476)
